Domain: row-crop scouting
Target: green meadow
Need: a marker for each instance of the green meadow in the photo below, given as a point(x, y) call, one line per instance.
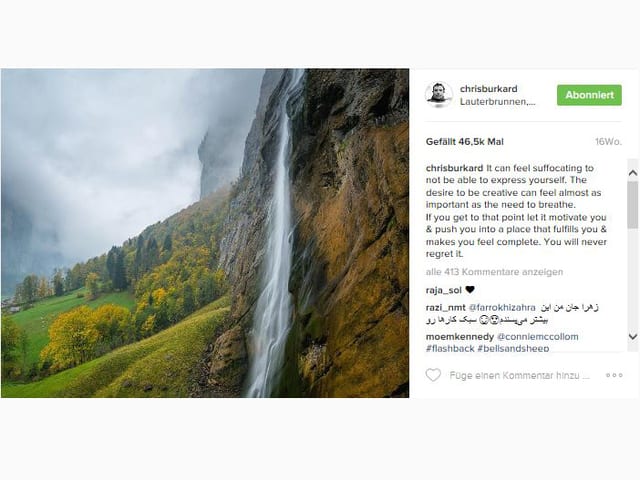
point(36, 321)
point(164, 365)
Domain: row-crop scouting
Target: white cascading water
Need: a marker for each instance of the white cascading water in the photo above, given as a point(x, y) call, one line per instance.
point(272, 318)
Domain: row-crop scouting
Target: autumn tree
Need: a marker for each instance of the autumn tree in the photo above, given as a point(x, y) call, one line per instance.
point(82, 334)
point(92, 284)
point(159, 297)
point(73, 337)
point(44, 290)
point(144, 318)
point(115, 327)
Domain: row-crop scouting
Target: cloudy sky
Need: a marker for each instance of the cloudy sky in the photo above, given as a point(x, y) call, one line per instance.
point(94, 156)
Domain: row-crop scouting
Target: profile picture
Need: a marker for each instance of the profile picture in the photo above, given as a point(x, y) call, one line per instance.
point(439, 94)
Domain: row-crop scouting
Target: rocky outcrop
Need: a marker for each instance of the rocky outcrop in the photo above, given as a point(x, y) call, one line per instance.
point(228, 363)
point(349, 282)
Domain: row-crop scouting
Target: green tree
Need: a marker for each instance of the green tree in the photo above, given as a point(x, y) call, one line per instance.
point(58, 283)
point(111, 262)
point(120, 273)
point(151, 254)
point(188, 299)
point(29, 289)
point(18, 295)
point(23, 347)
point(116, 269)
point(206, 291)
point(139, 258)
point(167, 245)
point(76, 277)
point(10, 343)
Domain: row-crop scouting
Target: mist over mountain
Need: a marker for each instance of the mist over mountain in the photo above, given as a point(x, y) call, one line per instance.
point(24, 249)
point(218, 152)
point(91, 157)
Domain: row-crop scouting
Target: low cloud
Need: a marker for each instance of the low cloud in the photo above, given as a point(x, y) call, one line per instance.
point(94, 156)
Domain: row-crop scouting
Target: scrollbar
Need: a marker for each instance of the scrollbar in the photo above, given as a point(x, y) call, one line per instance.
point(632, 226)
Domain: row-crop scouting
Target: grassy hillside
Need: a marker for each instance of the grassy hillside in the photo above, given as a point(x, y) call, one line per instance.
point(36, 321)
point(164, 365)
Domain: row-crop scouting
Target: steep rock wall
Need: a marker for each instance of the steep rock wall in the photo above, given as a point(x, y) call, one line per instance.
point(349, 282)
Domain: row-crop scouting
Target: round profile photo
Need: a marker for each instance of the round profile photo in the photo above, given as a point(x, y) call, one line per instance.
point(439, 94)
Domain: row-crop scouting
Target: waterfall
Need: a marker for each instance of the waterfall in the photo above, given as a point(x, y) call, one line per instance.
point(272, 318)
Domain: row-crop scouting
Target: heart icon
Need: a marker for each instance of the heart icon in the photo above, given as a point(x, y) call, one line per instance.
point(433, 374)
point(469, 288)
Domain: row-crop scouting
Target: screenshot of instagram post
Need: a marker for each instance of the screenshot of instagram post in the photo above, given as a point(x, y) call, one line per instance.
point(524, 233)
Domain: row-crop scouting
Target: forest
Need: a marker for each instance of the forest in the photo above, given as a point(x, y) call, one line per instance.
point(170, 269)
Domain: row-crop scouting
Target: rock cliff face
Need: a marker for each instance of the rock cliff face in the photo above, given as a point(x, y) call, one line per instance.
point(220, 163)
point(349, 281)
